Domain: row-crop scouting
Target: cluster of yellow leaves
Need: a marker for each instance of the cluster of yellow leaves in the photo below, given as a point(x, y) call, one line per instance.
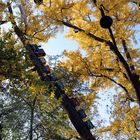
point(125, 126)
point(38, 90)
point(2, 7)
point(98, 65)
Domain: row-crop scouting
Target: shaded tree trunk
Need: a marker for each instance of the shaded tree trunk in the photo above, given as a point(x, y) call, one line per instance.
point(32, 119)
point(1, 131)
point(128, 56)
point(134, 79)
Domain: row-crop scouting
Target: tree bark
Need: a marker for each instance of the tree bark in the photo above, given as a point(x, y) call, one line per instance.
point(128, 56)
point(134, 79)
point(1, 131)
point(32, 119)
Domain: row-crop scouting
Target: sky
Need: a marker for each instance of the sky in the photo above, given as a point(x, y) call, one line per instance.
point(58, 44)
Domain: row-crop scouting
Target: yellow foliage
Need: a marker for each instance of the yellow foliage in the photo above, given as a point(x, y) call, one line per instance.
point(2, 7)
point(52, 95)
point(37, 89)
point(98, 65)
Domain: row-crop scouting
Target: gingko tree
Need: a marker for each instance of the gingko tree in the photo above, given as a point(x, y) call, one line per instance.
point(111, 54)
point(27, 108)
point(83, 19)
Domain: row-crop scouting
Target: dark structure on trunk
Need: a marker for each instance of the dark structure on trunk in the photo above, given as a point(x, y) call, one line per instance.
point(83, 128)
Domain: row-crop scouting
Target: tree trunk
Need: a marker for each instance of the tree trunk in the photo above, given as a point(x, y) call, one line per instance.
point(134, 79)
point(136, 84)
point(32, 119)
point(1, 131)
point(128, 56)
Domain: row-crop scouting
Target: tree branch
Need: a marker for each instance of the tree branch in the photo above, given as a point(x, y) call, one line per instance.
point(81, 30)
point(112, 80)
point(128, 56)
point(16, 28)
point(133, 78)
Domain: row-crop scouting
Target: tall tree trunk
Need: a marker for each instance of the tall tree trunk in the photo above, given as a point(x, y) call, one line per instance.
point(1, 119)
point(32, 119)
point(1, 131)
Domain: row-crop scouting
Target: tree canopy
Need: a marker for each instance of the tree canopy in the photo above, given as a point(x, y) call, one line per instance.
point(107, 59)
